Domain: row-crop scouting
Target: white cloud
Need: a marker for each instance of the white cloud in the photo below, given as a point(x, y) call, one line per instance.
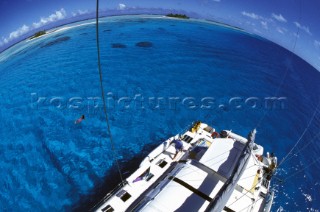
point(251, 15)
point(264, 24)
point(217, 0)
point(22, 30)
point(279, 18)
point(15, 34)
point(316, 44)
point(79, 12)
point(304, 28)
point(58, 15)
point(121, 6)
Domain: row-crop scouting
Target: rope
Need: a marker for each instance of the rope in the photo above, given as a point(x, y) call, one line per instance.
point(102, 90)
point(304, 132)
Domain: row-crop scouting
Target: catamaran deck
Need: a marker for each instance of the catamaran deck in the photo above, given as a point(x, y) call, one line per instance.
point(193, 180)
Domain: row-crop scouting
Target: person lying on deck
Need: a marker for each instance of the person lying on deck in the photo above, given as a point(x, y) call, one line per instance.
point(178, 145)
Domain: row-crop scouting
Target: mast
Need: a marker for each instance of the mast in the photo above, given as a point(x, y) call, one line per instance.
point(220, 200)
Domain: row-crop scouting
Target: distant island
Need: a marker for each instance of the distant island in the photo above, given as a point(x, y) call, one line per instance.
point(177, 16)
point(38, 34)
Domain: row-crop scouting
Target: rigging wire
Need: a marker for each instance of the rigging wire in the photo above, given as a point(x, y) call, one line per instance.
point(285, 159)
point(297, 172)
point(287, 69)
point(102, 92)
point(305, 146)
point(300, 138)
point(282, 182)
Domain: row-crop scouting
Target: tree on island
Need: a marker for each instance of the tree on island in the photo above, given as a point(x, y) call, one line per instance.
point(177, 16)
point(38, 34)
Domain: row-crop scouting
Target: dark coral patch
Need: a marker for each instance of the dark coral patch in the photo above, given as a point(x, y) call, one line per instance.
point(144, 44)
point(118, 45)
point(56, 41)
point(84, 33)
point(107, 30)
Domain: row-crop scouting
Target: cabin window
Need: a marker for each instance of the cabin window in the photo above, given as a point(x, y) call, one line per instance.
point(123, 195)
point(265, 183)
point(187, 138)
point(108, 208)
point(263, 195)
point(162, 163)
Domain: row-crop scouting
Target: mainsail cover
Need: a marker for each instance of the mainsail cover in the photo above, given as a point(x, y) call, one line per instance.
point(220, 200)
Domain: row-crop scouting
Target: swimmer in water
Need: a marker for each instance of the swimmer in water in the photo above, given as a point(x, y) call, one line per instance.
point(79, 120)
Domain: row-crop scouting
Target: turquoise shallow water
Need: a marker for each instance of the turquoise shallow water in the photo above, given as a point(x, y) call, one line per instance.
point(156, 74)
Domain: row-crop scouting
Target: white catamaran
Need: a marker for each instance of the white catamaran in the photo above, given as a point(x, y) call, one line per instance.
point(200, 170)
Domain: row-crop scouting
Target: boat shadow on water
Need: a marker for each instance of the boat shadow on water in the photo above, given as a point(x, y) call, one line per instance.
point(110, 181)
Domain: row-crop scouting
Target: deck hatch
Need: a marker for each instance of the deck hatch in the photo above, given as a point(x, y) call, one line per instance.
point(123, 195)
point(108, 208)
point(187, 138)
point(162, 163)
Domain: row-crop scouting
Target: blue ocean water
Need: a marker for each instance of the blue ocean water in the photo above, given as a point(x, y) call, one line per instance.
point(160, 75)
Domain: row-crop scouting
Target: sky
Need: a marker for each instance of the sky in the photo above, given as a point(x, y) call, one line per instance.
point(293, 24)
